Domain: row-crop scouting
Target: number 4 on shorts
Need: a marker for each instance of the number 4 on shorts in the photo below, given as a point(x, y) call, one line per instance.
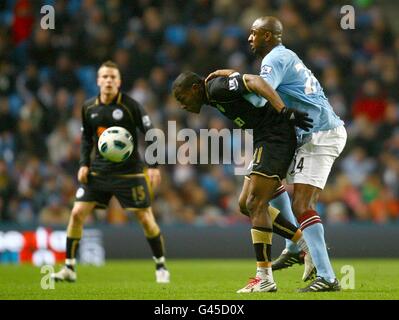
point(297, 167)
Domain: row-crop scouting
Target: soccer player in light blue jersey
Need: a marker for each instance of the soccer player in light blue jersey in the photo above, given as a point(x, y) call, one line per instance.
point(285, 72)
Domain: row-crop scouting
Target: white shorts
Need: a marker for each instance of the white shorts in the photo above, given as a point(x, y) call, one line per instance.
point(313, 161)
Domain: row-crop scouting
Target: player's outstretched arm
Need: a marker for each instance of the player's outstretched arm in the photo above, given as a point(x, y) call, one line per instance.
point(257, 85)
point(220, 73)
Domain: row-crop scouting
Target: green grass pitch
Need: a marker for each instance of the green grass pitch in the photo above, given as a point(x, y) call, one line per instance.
point(195, 280)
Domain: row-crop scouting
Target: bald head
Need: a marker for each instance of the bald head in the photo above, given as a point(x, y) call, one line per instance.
point(271, 24)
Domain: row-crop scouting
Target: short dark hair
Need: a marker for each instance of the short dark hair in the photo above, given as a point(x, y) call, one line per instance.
point(109, 64)
point(185, 81)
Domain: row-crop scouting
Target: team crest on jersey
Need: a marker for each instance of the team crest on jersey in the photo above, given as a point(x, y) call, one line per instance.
point(233, 84)
point(266, 69)
point(117, 114)
point(80, 192)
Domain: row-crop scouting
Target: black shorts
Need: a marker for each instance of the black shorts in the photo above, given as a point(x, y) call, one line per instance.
point(132, 190)
point(272, 158)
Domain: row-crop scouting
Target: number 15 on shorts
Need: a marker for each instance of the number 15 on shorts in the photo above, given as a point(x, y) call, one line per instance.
point(138, 193)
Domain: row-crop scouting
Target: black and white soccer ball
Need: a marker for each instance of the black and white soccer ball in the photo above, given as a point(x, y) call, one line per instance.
point(115, 144)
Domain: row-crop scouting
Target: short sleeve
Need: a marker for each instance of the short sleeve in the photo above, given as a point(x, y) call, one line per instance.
point(224, 89)
point(272, 70)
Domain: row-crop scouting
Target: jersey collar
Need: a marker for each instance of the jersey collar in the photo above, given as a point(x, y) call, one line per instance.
point(117, 99)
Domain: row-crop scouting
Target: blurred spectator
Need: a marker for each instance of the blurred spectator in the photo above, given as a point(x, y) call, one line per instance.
point(357, 166)
point(371, 102)
point(23, 21)
point(64, 76)
point(6, 191)
point(54, 212)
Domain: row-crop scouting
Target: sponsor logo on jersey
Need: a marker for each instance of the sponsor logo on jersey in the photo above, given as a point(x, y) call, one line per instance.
point(146, 121)
point(93, 115)
point(266, 69)
point(233, 84)
point(80, 192)
point(117, 114)
point(100, 130)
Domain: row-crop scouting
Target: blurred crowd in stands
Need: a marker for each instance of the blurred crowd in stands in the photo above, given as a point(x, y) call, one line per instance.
point(45, 76)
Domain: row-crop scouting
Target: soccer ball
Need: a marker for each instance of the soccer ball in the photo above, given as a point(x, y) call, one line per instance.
point(115, 144)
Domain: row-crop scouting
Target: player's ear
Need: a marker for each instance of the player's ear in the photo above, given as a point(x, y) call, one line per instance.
point(268, 35)
point(195, 87)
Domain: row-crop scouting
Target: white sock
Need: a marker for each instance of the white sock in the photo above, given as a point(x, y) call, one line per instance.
point(159, 260)
point(264, 273)
point(70, 262)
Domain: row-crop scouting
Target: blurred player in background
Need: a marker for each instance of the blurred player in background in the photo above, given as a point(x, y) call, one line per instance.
point(274, 142)
point(129, 181)
point(299, 89)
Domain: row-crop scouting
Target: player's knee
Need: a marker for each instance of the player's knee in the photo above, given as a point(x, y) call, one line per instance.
point(77, 216)
point(242, 203)
point(142, 217)
point(252, 203)
point(150, 227)
point(299, 207)
point(146, 219)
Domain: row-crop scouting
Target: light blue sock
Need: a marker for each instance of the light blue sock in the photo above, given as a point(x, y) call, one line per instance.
point(283, 203)
point(314, 237)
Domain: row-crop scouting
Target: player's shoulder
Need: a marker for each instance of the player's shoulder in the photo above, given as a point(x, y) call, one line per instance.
point(217, 87)
point(215, 82)
point(91, 102)
point(279, 59)
point(279, 55)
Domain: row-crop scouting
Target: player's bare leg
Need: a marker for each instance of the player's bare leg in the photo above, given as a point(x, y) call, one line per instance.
point(304, 205)
point(74, 233)
point(154, 237)
point(285, 229)
point(260, 191)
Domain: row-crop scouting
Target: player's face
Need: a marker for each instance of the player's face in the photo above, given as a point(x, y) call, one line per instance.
point(109, 80)
point(256, 39)
point(190, 101)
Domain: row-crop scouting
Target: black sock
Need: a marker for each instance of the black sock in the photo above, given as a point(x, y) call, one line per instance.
point(263, 252)
point(284, 228)
point(71, 250)
point(157, 248)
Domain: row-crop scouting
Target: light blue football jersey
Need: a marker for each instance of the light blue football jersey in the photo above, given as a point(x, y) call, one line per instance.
point(298, 88)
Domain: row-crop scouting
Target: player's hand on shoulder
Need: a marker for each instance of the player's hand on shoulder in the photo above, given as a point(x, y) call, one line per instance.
point(154, 175)
point(219, 73)
point(297, 118)
point(83, 174)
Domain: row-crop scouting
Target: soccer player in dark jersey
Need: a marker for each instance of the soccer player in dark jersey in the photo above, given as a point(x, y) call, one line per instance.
point(274, 142)
point(130, 181)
